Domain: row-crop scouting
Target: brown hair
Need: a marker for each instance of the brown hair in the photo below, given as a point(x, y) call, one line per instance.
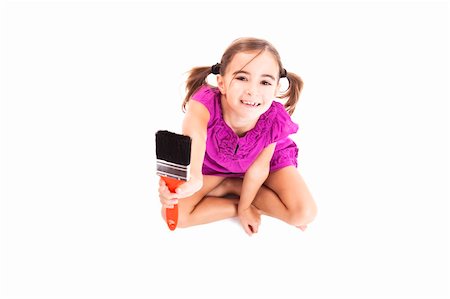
point(197, 76)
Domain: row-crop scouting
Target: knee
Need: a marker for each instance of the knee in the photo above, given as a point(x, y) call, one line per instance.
point(302, 215)
point(183, 220)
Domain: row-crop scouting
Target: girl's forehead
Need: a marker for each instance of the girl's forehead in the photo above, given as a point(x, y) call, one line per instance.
point(246, 60)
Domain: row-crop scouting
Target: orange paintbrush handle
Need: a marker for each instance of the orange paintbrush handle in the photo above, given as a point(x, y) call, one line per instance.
point(172, 214)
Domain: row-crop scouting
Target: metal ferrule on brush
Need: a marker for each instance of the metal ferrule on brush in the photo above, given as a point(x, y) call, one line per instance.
point(172, 170)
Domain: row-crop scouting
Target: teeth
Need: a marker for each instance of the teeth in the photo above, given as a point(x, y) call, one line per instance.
point(250, 103)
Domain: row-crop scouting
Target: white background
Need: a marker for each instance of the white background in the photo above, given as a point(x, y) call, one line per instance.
point(85, 85)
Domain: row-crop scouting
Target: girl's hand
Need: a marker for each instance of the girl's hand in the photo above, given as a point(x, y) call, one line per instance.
point(250, 219)
point(168, 199)
point(187, 189)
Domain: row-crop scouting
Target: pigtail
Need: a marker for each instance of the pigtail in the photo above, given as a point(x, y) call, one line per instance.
point(196, 78)
point(293, 92)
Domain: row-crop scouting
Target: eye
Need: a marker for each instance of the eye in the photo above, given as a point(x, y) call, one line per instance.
point(241, 78)
point(266, 83)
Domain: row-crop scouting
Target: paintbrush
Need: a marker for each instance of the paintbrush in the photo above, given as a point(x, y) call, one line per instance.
point(173, 156)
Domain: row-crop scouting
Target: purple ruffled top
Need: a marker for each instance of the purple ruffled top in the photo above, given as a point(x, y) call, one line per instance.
point(229, 155)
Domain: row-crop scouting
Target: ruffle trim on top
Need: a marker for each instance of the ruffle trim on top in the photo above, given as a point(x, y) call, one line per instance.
point(274, 125)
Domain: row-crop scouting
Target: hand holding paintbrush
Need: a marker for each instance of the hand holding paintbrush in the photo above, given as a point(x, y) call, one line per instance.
point(173, 153)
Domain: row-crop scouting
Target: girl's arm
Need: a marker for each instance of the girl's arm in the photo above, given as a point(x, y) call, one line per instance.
point(255, 176)
point(195, 125)
point(253, 180)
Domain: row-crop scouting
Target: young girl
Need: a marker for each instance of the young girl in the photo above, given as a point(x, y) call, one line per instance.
point(240, 143)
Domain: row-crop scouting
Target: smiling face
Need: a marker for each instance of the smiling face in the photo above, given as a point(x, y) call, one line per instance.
point(249, 85)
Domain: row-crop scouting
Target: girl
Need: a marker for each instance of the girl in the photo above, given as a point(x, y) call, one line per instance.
point(240, 143)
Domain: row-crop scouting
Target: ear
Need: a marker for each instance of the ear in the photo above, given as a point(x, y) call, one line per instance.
point(221, 84)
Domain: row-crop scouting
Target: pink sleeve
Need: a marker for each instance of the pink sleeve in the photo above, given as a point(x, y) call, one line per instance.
point(206, 95)
point(282, 125)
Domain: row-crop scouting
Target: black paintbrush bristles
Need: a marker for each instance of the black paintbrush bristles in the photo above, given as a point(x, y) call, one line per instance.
point(173, 147)
point(173, 154)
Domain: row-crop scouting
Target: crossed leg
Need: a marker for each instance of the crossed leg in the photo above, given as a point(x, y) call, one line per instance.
point(201, 208)
point(284, 195)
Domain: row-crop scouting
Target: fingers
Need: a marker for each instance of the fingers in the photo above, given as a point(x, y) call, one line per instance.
point(167, 198)
point(186, 189)
point(161, 182)
point(255, 228)
point(251, 227)
point(250, 219)
point(248, 229)
point(168, 203)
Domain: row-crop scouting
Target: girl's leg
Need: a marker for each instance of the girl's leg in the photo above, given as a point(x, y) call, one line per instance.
point(298, 207)
point(284, 195)
point(200, 209)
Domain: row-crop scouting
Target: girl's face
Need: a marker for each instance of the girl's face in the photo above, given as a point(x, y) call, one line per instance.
point(249, 91)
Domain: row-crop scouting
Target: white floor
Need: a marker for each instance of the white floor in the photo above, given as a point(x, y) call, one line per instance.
point(113, 245)
point(85, 87)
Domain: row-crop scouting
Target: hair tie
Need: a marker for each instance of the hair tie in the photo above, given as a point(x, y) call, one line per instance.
point(283, 73)
point(215, 69)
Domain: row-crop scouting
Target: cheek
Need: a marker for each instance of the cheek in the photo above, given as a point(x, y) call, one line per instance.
point(270, 93)
point(235, 90)
point(268, 103)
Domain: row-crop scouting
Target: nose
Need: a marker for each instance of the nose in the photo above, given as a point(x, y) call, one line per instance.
point(252, 91)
